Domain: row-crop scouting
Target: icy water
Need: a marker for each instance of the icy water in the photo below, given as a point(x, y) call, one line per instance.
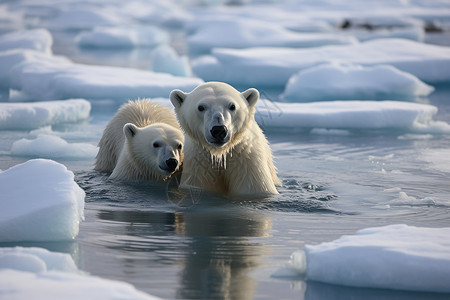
point(197, 246)
point(191, 245)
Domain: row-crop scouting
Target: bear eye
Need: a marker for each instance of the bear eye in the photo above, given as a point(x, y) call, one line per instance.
point(179, 146)
point(201, 108)
point(156, 145)
point(232, 107)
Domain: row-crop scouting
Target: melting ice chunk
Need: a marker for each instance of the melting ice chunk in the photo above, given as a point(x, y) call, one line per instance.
point(51, 146)
point(39, 114)
point(27, 273)
point(40, 201)
point(396, 257)
point(354, 82)
point(270, 66)
point(122, 37)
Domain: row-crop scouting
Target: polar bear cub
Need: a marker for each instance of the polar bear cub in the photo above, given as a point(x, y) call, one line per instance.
point(143, 141)
point(225, 149)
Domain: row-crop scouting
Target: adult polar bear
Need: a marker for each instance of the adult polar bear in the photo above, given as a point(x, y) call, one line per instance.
point(225, 150)
point(143, 141)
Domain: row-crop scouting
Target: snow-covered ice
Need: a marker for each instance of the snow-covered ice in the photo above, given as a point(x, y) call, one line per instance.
point(123, 37)
point(40, 202)
point(283, 15)
point(11, 58)
point(354, 82)
point(20, 46)
point(60, 285)
point(269, 66)
point(356, 115)
point(166, 60)
point(35, 260)
point(35, 39)
point(19, 116)
point(11, 20)
point(47, 80)
point(51, 146)
point(397, 257)
point(245, 33)
point(34, 75)
point(36, 273)
point(85, 17)
point(166, 13)
point(415, 34)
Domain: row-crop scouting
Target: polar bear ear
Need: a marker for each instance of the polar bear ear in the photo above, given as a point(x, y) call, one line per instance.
point(130, 130)
point(251, 95)
point(177, 98)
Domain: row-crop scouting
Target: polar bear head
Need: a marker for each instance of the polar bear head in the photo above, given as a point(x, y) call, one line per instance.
point(215, 114)
point(155, 149)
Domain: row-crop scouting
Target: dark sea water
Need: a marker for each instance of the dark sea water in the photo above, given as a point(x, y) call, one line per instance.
point(192, 245)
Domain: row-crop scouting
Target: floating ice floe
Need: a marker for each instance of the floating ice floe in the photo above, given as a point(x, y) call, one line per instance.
point(40, 202)
point(36, 39)
point(20, 46)
point(287, 16)
point(11, 19)
point(246, 33)
point(415, 34)
point(35, 260)
point(51, 146)
point(48, 80)
point(274, 66)
point(11, 58)
point(30, 273)
point(396, 257)
point(84, 131)
point(166, 60)
point(85, 17)
point(350, 82)
point(38, 114)
point(166, 13)
point(357, 115)
point(123, 37)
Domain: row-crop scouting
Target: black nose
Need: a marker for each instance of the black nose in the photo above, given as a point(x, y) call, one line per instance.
point(172, 164)
point(219, 132)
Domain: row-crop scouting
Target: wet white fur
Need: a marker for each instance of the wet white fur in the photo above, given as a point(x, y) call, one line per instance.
point(243, 166)
point(126, 147)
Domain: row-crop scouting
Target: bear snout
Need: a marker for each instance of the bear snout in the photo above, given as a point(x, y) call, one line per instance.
point(219, 132)
point(171, 164)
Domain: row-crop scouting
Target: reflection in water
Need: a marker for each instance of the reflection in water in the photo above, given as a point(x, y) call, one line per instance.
point(217, 250)
point(221, 254)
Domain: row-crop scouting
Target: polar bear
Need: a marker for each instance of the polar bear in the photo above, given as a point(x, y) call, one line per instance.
point(143, 141)
point(225, 150)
